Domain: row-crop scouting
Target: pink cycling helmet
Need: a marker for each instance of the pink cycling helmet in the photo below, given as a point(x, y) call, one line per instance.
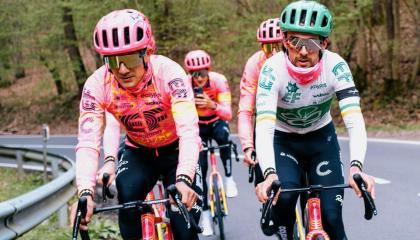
point(269, 31)
point(122, 31)
point(197, 60)
point(152, 45)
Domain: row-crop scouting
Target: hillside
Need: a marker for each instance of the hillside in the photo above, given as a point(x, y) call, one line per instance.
point(38, 83)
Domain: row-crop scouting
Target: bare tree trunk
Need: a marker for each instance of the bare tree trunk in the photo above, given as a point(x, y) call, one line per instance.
point(416, 68)
point(55, 75)
point(72, 48)
point(243, 7)
point(166, 7)
point(18, 57)
point(389, 89)
point(397, 42)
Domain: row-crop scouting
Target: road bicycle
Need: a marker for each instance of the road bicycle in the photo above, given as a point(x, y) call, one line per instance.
point(217, 199)
point(312, 217)
point(154, 220)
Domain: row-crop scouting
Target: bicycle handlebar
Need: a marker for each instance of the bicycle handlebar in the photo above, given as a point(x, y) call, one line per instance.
point(173, 192)
point(231, 144)
point(370, 208)
point(251, 168)
point(105, 189)
point(80, 214)
point(82, 209)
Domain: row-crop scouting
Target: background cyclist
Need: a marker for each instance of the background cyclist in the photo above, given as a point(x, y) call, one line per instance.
point(213, 102)
point(294, 131)
point(270, 36)
point(150, 96)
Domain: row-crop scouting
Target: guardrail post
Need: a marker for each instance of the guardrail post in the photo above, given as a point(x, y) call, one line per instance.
point(45, 137)
point(19, 160)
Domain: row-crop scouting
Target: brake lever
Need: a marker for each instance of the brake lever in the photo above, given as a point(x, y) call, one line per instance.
point(370, 208)
point(106, 192)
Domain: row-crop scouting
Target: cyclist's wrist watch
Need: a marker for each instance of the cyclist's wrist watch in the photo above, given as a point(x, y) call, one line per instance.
point(185, 179)
point(357, 163)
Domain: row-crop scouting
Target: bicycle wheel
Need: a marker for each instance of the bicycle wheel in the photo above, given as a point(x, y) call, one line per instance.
point(219, 209)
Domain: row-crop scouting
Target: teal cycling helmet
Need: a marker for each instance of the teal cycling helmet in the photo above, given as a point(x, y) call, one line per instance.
point(307, 17)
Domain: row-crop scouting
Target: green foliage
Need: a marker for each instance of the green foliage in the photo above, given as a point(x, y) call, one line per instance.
point(18, 184)
point(99, 228)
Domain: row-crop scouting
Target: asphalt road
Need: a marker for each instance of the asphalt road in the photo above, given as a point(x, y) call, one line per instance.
point(395, 164)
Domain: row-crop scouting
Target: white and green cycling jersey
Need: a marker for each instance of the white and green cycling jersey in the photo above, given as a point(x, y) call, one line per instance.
point(285, 105)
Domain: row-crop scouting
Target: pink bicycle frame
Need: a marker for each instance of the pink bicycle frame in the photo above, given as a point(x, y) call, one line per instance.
point(314, 220)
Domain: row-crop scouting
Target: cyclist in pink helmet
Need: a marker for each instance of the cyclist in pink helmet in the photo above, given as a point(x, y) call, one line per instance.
point(213, 102)
point(111, 137)
point(270, 37)
point(150, 96)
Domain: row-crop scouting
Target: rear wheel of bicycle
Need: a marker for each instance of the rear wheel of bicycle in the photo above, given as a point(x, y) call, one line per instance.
point(218, 212)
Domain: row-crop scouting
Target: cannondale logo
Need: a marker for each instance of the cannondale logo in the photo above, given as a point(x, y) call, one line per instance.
point(320, 172)
point(153, 117)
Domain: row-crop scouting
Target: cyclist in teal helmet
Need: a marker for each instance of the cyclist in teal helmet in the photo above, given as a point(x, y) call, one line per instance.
point(295, 135)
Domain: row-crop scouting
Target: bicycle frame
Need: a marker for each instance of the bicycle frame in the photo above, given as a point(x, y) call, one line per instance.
point(155, 225)
point(214, 172)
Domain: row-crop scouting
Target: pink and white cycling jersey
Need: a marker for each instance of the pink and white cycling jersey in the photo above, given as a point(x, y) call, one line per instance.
point(112, 135)
point(248, 86)
point(154, 116)
point(217, 88)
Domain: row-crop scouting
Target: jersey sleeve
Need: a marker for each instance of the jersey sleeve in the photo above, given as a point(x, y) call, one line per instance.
point(186, 118)
point(248, 88)
point(224, 99)
point(91, 122)
point(111, 139)
point(349, 102)
point(267, 96)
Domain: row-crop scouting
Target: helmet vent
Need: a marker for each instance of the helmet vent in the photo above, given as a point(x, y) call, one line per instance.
point(292, 16)
point(313, 18)
point(104, 38)
point(283, 18)
point(270, 32)
point(96, 39)
point(324, 21)
point(302, 17)
point(126, 35)
point(115, 37)
point(139, 33)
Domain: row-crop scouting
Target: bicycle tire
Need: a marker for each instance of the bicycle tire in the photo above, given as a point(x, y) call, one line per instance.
point(219, 211)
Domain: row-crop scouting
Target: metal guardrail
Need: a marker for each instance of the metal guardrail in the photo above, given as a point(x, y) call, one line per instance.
point(20, 214)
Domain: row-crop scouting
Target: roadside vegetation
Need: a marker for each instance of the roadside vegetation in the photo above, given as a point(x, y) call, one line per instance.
point(43, 66)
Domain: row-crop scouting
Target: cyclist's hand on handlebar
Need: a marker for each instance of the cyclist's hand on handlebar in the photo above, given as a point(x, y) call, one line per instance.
point(108, 167)
point(189, 196)
point(248, 158)
point(261, 189)
point(90, 206)
point(369, 181)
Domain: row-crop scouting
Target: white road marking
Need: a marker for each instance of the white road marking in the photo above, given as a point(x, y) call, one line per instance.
point(381, 180)
point(385, 140)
